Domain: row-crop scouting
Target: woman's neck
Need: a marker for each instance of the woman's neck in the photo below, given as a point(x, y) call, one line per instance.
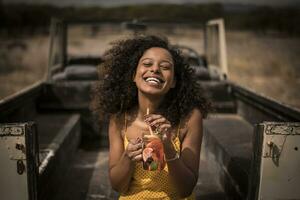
point(147, 102)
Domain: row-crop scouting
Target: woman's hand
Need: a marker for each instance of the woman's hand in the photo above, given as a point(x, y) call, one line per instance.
point(134, 149)
point(160, 125)
point(163, 127)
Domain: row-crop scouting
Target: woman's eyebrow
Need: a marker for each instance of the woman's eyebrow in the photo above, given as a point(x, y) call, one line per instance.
point(164, 60)
point(147, 59)
point(168, 61)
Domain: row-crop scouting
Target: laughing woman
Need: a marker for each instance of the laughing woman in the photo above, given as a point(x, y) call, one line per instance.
point(147, 73)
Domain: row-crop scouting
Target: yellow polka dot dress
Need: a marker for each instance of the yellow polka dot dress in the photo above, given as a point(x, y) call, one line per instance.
point(152, 184)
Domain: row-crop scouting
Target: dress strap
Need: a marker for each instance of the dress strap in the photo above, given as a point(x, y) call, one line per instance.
point(125, 130)
point(178, 129)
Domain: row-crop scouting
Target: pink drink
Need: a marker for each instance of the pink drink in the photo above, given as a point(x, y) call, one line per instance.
point(153, 153)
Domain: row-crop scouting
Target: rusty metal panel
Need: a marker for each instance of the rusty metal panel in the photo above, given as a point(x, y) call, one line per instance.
point(19, 161)
point(279, 176)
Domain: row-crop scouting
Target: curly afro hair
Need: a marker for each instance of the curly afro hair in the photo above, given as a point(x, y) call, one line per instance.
point(117, 93)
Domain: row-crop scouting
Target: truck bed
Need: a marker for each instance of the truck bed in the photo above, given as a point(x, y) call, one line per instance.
point(226, 144)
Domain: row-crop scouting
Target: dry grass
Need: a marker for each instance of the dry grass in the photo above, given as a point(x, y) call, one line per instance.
point(267, 64)
point(24, 65)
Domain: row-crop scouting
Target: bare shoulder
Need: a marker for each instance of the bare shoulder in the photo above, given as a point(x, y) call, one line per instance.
point(191, 122)
point(116, 124)
point(195, 115)
point(193, 118)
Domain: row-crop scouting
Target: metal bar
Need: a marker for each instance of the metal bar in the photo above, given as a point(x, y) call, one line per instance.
point(279, 110)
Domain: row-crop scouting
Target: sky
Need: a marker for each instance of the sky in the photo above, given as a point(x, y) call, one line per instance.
point(112, 3)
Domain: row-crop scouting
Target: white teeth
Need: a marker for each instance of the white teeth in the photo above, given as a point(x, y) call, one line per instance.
point(152, 79)
point(152, 82)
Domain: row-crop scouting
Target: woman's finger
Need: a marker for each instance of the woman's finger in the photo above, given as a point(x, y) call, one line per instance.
point(151, 117)
point(133, 154)
point(164, 128)
point(134, 147)
point(135, 141)
point(159, 121)
point(138, 158)
point(136, 153)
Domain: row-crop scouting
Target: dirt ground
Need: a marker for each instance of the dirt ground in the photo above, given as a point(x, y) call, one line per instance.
point(268, 64)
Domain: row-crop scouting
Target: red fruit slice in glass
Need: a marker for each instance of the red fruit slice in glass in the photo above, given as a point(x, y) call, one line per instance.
point(147, 153)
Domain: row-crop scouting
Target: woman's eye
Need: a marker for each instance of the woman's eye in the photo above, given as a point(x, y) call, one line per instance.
point(147, 64)
point(165, 67)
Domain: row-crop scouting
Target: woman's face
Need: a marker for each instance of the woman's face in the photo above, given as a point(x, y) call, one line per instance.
point(155, 72)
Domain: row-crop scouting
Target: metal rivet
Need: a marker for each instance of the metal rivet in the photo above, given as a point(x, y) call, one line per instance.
point(296, 148)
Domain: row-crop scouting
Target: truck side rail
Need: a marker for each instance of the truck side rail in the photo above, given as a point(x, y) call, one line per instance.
point(15, 107)
point(256, 107)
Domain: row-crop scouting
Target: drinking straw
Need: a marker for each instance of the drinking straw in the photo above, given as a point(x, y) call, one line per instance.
point(150, 129)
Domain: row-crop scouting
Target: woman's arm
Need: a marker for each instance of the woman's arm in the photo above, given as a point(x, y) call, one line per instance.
point(184, 171)
point(121, 161)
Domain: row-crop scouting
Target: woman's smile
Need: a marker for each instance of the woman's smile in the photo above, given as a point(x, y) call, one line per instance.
point(154, 81)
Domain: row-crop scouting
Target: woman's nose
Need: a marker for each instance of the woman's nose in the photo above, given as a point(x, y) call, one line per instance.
point(155, 68)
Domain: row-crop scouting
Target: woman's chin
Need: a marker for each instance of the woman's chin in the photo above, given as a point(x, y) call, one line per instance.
point(153, 92)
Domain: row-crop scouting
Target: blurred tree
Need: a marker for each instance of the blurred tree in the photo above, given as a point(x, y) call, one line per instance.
point(18, 17)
